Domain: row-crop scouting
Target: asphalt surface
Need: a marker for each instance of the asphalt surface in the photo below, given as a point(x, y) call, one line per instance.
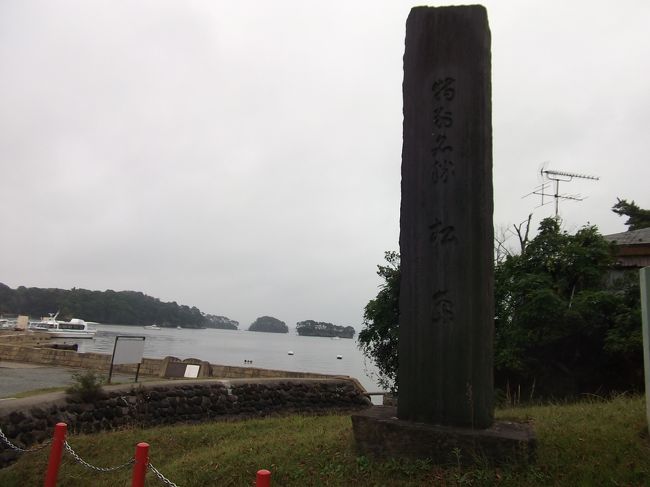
point(23, 377)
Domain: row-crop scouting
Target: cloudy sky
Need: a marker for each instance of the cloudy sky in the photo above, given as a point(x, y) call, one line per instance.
point(244, 157)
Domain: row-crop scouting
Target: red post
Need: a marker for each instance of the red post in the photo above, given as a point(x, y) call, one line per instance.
point(56, 452)
point(141, 464)
point(263, 478)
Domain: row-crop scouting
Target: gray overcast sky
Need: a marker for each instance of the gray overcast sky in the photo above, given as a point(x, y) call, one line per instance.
point(244, 157)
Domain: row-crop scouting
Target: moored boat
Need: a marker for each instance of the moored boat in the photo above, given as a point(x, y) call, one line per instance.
point(75, 328)
point(6, 324)
point(152, 327)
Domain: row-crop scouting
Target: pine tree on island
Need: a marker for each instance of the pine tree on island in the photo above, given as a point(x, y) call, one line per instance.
point(321, 329)
point(269, 324)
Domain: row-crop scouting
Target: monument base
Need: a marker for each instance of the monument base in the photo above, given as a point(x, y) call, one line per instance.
point(378, 432)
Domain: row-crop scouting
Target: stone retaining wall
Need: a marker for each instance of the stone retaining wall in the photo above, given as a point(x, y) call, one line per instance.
point(31, 420)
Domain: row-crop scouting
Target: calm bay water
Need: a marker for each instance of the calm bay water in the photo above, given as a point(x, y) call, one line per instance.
point(232, 347)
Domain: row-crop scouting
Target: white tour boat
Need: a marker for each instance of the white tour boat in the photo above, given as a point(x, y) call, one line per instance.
point(152, 327)
point(75, 328)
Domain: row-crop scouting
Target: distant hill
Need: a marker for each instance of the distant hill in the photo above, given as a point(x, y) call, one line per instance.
point(221, 322)
point(269, 324)
point(115, 307)
point(322, 329)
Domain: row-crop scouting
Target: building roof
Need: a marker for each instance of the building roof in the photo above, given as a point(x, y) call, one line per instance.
point(633, 237)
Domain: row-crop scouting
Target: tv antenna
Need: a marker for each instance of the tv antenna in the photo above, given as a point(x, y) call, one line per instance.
point(550, 177)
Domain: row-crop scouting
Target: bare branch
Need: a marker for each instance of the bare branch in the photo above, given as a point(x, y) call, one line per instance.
point(522, 234)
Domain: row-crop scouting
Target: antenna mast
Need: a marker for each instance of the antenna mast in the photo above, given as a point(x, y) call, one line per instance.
point(556, 177)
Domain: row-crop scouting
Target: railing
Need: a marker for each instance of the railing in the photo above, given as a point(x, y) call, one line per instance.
point(140, 461)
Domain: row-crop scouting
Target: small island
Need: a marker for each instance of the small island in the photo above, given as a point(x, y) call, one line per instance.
point(269, 324)
point(320, 329)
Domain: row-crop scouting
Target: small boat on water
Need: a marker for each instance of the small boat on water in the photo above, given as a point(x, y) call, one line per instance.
point(5, 323)
point(75, 328)
point(152, 327)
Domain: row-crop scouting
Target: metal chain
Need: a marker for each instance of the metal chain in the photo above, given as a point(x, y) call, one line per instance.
point(98, 469)
point(83, 462)
point(6, 441)
point(162, 478)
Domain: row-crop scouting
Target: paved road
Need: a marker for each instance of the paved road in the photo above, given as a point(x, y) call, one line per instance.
point(22, 377)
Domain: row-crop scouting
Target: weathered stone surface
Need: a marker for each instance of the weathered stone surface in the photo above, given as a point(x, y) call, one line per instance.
point(446, 234)
point(380, 433)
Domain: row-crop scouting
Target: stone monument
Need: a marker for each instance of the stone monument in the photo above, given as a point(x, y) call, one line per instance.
point(446, 237)
point(445, 384)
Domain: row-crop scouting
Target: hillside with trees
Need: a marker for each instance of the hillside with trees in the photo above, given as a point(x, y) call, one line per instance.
point(121, 307)
point(321, 329)
point(220, 322)
point(269, 324)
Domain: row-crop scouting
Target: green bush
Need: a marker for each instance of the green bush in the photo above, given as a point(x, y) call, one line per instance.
point(87, 385)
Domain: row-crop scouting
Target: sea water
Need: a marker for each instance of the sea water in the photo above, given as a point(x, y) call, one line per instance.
point(238, 347)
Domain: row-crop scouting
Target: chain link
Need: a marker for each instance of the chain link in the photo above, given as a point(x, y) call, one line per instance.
point(6, 441)
point(92, 467)
point(162, 478)
point(83, 462)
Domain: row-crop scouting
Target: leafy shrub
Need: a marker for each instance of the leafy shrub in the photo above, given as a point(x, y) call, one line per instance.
point(87, 385)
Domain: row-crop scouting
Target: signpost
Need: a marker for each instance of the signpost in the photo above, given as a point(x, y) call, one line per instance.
point(128, 350)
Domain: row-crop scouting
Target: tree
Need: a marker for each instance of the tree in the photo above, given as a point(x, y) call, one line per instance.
point(560, 327)
point(559, 323)
point(638, 218)
point(378, 338)
point(502, 234)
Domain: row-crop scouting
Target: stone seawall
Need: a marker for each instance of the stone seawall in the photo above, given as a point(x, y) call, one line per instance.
point(36, 351)
point(39, 353)
point(31, 420)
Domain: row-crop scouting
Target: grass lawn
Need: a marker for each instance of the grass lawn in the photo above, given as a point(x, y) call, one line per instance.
point(583, 444)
